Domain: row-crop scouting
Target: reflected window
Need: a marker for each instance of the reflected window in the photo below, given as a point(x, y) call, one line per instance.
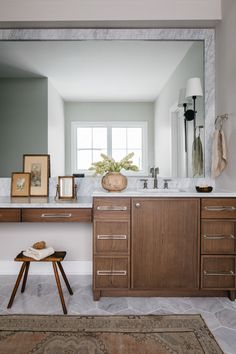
point(116, 139)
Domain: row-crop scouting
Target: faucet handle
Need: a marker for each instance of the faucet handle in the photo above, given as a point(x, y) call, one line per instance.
point(152, 172)
point(166, 180)
point(156, 171)
point(144, 180)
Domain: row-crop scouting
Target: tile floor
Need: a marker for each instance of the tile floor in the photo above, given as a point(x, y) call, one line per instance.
point(41, 297)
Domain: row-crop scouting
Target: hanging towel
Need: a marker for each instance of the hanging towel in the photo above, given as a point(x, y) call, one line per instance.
point(197, 157)
point(38, 254)
point(219, 153)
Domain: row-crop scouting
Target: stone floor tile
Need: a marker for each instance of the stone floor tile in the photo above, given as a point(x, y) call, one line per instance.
point(227, 318)
point(226, 338)
point(112, 305)
point(143, 305)
point(209, 304)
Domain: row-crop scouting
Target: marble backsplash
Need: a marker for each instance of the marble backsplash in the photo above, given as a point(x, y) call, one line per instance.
point(87, 185)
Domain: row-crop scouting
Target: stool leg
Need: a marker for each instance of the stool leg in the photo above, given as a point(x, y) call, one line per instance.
point(16, 285)
point(65, 278)
point(59, 288)
point(25, 276)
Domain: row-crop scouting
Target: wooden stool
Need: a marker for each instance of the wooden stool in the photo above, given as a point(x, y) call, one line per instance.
point(56, 259)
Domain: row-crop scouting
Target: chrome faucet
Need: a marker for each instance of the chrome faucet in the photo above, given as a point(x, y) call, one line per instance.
point(154, 172)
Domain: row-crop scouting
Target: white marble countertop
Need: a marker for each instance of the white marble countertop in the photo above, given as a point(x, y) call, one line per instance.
point(86, 202)
point(44, 202)
point(158, 193)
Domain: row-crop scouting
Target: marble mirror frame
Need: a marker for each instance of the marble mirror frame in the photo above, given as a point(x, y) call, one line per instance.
point(206, 35)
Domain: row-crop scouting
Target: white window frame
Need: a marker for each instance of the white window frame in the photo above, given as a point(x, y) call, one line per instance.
point(110, 124)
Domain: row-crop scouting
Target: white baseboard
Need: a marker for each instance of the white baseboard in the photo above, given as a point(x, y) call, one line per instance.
point(44, 268)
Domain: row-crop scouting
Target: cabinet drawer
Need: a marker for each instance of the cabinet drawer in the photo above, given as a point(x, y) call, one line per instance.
point(113, 208)
point(56, 215)
point(111, 236)
point(224, 208)
point(218, 272)
point(10, 215)
point(218, 237)
point(110, 272)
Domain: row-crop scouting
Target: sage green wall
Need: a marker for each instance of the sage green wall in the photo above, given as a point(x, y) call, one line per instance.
point(24, 126)
point(108, 111)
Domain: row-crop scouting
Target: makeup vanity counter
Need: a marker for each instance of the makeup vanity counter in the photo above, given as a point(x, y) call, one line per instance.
point(164, 243)
point(39, 209)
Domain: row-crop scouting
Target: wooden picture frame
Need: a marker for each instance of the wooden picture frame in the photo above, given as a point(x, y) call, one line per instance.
point(66, 187)
point(20, 184)
point(39, 168)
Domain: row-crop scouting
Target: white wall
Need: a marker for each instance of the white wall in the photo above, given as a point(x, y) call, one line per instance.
point(75, 238)
point(190, 66)
point(111, 10)
point(56, 132)
point(226, 87)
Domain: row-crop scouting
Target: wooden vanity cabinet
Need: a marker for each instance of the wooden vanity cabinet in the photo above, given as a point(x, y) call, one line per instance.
point(218, 244)
point(56, 215)
point(111, 244)
point(165, 243)
point(10, 215)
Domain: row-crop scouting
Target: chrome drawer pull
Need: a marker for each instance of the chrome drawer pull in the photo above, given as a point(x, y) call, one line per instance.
point(220, 208)
point(112, 237)
point(218, 237)
point(112, 208)
point(111, 272)
point(69, 215)
point(230, 273)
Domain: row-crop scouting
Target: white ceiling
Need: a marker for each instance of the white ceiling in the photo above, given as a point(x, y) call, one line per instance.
point(96, 70)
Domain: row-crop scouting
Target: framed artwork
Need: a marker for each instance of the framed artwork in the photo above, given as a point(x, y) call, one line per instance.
point(39, 168)
point(20, 184)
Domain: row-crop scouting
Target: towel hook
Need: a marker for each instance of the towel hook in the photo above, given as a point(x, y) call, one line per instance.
point(219, 120)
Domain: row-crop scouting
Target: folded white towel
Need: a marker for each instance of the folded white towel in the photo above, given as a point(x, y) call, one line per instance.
point(38, 254)
point(219, 153)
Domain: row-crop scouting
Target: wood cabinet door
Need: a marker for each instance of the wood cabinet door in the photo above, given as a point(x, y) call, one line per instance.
point(165, 243)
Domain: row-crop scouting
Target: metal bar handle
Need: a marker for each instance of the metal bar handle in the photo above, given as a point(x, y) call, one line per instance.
point(230, 273)
point(112, 208)
point(220, 208)
point(48, 215)
point(112, 237)
point(218, 237)
point(111, 272)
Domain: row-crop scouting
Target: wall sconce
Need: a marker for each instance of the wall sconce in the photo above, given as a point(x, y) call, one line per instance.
point(194, 90)
point(184, 102)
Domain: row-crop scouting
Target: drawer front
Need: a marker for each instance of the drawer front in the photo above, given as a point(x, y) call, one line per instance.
point(113, 208)
point(111, 237)
point(10, 215)
point(218, 237)
point(224, 208)
point(218, 272)
point(56, 215)
point(111, 272)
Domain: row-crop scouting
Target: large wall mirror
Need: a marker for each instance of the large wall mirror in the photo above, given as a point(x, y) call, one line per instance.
point(78, 93)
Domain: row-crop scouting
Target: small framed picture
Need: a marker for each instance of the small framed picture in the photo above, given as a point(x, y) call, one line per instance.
point(39, 168)
point(20, 184)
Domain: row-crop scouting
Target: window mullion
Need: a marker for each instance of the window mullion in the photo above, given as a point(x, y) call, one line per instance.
point(109, 141)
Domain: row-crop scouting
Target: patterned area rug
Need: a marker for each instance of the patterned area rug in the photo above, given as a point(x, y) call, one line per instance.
point(182, 334)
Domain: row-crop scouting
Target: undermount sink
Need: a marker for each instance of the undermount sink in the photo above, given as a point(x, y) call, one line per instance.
point(159, 190)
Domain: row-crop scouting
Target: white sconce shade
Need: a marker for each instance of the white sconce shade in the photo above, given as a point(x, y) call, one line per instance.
point(194, 87)
point(183, 99)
